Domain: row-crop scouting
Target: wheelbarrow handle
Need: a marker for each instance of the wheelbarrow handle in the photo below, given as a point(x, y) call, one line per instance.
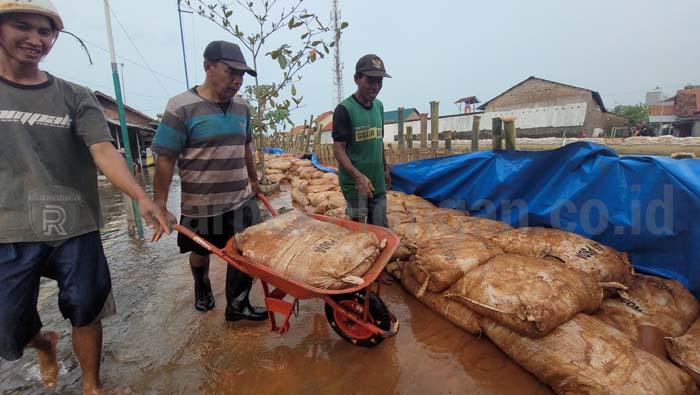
point(267, 204)
point(197, 239)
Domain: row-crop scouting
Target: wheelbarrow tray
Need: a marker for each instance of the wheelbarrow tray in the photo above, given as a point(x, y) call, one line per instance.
point(302, 290)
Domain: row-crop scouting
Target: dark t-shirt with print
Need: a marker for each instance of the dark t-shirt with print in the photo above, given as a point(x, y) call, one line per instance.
point(48, 176)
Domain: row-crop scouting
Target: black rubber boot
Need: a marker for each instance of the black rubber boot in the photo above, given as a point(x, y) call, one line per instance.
point(203, 296)
point(237, 291)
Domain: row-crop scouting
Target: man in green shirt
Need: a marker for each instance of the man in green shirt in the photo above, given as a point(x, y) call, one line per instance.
point(358, 132)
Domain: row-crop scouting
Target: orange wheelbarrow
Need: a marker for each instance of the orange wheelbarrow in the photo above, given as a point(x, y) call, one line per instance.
point(357, 314)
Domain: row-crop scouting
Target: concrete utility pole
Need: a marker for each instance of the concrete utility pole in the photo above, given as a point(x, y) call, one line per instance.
point(122, 117)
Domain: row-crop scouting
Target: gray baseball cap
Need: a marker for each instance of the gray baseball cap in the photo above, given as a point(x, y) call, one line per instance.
point(228, 53)
point(372, 66)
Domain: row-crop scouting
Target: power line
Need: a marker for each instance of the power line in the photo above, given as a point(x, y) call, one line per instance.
point(103, 86)
point(139, 52)
point(134, 62)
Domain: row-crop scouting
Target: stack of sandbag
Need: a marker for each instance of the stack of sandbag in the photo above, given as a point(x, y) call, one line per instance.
point(455, 312)
point(297, 166)
point(320, 194)
point(530, 296)
point(586, 356)
point(317, 253)
point(483, 227)
point(653, 301)
point(413, 219)
point(277, 166)
point(685, 351)
point(605, 264)
point(440, 261)
point(410, 233)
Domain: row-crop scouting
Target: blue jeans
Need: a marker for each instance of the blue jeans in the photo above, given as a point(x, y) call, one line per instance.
point(371, 211)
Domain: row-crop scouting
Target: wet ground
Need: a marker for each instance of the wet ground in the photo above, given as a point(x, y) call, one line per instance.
point(158, 344)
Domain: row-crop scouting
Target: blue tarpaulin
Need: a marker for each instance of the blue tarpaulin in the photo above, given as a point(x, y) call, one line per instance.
point(274, 151)
point(647, 206)
point(321, 167)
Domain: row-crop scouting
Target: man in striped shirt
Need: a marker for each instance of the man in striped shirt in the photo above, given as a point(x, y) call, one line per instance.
point(207, 130)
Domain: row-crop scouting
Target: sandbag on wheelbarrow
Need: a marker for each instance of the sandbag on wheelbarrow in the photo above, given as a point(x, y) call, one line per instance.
point(320, 254)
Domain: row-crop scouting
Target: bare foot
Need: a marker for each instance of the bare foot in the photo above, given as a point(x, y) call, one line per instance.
point(92, 390)
point(45, 343)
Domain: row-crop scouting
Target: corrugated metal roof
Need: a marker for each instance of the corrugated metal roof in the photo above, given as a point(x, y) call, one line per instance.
point(130, 125)
point(126, 108)
point(468, 100)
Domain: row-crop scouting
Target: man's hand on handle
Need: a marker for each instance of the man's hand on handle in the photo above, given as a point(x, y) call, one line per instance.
point(158, 218)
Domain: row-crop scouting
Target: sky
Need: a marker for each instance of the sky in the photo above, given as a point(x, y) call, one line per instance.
point(434, 50)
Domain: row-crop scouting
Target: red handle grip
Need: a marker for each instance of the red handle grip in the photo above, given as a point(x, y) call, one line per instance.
point(267, 204)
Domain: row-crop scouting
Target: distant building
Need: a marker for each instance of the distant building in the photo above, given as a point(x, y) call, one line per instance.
point(469, 104)
point(141, 128)
point(409, 114)
point(678, 115)
point(546, 108)
point(542, 108)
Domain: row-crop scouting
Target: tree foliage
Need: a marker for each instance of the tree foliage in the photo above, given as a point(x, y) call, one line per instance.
point(274, 101)
point(636, 113)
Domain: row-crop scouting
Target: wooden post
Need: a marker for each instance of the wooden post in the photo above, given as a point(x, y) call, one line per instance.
point(400, 126)
point(424, 130)
point(497, 128)
point(448, 141)
point(307, 136)
point(509, 126)
point(409, 136)
point(300, 139)
point(434, 124)
point(476, 124)
point(317, 136)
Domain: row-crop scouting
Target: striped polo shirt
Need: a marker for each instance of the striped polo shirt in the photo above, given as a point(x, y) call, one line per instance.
point(210, 147)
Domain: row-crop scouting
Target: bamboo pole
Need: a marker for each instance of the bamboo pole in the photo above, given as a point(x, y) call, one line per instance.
point(434, 123)
point(497, 128)
point(509, 126)
point(424, 130)
point(317, 137)
point(317, 140)
point(400, 125)
point(476, 124)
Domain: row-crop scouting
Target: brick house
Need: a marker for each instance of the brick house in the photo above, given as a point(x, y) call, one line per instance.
point(546, 108)
point(678, 115)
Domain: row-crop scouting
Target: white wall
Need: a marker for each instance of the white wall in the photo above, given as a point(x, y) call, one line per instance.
point(564, 115)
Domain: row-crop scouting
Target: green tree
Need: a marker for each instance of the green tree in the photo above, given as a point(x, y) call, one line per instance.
point(636, 113)
point(272, 102)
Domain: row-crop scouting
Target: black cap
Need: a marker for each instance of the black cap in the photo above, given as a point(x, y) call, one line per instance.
point(372, 66)
point(228, 53)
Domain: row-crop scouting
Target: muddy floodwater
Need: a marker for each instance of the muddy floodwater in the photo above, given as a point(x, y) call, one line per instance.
point(158, 344)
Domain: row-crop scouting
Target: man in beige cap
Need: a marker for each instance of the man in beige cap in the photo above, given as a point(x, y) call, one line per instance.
point(54, 137)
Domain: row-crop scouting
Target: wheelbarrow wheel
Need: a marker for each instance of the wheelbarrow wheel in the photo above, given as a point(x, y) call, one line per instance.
point(355, 304)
